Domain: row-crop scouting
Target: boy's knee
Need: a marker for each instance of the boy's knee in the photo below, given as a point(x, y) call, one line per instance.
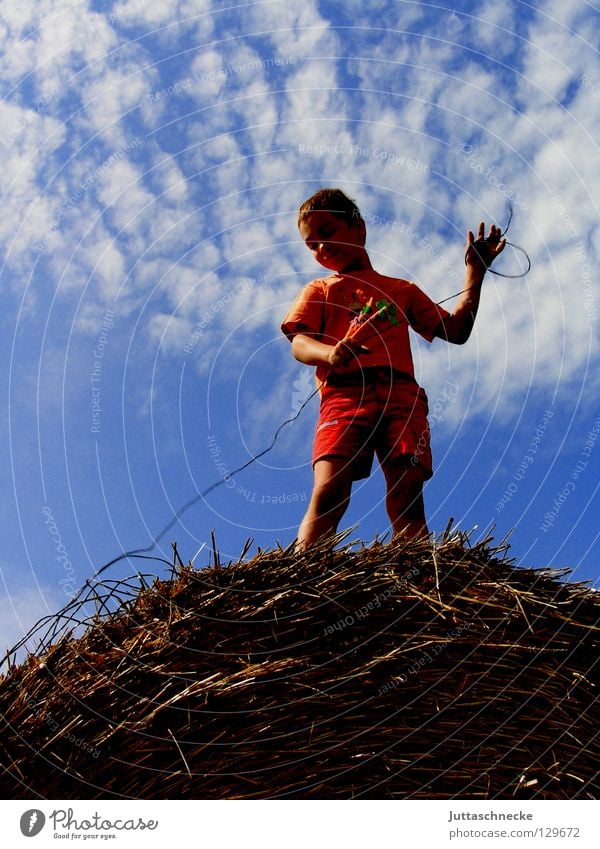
point(331, 493)
point(414, 481)
point(414, 508)
point(405, 489)
point(403, 474)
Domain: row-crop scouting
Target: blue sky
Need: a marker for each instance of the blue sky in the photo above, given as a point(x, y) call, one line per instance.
point(154, 154)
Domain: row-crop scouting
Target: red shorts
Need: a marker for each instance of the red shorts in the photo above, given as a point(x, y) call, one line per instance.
point(370, 413)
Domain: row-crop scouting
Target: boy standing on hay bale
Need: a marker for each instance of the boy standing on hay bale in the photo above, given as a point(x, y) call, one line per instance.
point(353, 326)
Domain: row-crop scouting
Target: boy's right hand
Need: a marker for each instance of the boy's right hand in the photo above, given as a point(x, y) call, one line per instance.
point(345, 351)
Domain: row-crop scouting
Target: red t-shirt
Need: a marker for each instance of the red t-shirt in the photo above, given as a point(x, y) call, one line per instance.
point(325, 308)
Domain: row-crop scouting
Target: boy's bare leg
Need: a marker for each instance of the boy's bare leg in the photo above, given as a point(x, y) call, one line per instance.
point(404, 500)
point(330, 496)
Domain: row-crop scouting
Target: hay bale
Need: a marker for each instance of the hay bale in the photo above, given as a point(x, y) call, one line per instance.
point(392, 671)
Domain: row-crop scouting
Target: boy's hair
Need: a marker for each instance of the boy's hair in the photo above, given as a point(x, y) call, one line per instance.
point(333, 201)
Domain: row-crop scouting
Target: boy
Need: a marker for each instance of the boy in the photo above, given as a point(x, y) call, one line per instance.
point(353, 326)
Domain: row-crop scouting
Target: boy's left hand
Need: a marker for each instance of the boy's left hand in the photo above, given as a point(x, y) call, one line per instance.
point(345, 351)
point(481, 252)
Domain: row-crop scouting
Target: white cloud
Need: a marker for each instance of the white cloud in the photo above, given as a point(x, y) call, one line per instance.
point(185, 287)
point(296, 29)
point(170, 181)
point(157, 12)
point(566, 14)
point(208, 76)
point(219, 149)
point(108, 99)
point(312, 95)
point(122, 191)
point(172, 230)
point(52, 43)
point(555, 56)
point(29, 141)
point(493, 27)
point(143, 11)
point(108, 265)
point(171, 333)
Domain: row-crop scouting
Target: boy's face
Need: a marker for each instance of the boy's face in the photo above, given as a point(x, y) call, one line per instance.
point(333, 242)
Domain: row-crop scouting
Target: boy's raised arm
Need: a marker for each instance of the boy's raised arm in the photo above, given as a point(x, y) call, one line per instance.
point(480, 253)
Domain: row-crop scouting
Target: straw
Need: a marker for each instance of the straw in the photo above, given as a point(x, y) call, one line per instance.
point(400, 670)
